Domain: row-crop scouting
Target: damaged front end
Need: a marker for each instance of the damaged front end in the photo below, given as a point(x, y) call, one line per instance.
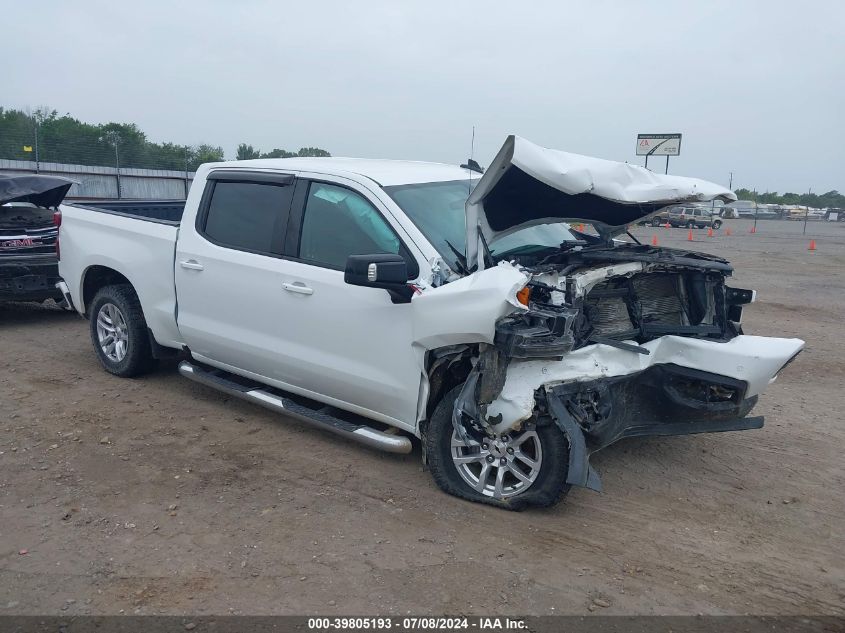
point(601, 338)
point(619, 341)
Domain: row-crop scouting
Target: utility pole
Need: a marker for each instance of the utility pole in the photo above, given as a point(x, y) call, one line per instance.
point(807, 209)
point(187, 149)
point(113, 138)
point(117, 164)
point(756, 206)
point(731, 182)
point(35, 126)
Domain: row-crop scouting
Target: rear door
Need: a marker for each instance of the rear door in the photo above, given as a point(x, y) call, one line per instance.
point(228, 271)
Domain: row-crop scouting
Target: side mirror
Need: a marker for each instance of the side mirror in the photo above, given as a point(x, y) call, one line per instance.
point(386, 271)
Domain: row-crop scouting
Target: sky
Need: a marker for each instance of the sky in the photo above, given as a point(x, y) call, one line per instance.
point(757, 88)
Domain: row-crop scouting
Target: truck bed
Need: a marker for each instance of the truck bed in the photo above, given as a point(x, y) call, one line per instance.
point(137, 239)
point(164, 211)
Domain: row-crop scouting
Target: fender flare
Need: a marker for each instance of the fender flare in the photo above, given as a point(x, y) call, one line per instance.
point(580, 473)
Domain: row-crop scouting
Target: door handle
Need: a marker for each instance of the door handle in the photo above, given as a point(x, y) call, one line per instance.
point(298, 287)
point(191, 264)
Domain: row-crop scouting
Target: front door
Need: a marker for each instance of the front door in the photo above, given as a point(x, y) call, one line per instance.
point(349, 344)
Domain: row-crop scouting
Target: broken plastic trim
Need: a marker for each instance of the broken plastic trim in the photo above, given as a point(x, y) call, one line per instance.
point(661, 400)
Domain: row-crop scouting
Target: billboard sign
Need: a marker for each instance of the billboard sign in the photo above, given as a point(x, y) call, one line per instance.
point(658, 144)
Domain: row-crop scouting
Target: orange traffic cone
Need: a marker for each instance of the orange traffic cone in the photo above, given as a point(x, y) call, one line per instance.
point(667, 225)
point(727, 231)
point(753, 229)
point(812, 245)
point(710, 232)
point(689, 236)
point(654, 240)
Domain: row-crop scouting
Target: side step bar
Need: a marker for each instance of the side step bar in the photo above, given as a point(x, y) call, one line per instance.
point(257, 395)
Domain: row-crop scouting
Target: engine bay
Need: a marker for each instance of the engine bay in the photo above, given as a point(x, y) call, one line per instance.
point(582, 300)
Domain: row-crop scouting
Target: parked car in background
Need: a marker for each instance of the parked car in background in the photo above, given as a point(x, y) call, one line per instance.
point(658, 219)
point(800, 214)
point(694, 217)
point(29, 267)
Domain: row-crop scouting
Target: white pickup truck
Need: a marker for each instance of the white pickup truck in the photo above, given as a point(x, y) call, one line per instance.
point(386, 299)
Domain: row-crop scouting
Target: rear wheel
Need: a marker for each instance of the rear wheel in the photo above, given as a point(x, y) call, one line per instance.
point(717, 224)
point(119, 332)
point(691, 224)
point(655, 222)
point(516, 470)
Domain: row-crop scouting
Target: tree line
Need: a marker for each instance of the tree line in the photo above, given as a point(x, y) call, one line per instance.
point(831, 199)
point(65, 139)
point(246, 152)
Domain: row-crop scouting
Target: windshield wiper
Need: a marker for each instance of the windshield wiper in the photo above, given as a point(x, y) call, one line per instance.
point(460, 258)
point(525, 249)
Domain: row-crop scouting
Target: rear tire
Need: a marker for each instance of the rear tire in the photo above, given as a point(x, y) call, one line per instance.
point(551, 451)
point(119, 332)
point(691, 224)
point(717, 224)
point(655, 222)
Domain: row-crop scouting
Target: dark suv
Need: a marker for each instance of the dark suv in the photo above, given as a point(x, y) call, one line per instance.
point(29, 265)
point(694, 217)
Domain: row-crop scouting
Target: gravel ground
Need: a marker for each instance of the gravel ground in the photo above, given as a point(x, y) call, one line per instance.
point(157, 495)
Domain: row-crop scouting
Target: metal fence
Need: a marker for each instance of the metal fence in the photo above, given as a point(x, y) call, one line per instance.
point(48, 145)
point(94, 181)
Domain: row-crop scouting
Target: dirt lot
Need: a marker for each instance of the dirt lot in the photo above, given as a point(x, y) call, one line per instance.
point(160, 496)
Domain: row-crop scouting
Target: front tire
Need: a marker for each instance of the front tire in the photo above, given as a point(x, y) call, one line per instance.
point(119, 332)
point(717, 224)
point(691, 224)
point(521, 469)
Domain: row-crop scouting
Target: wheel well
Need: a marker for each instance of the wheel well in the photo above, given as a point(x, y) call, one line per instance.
point(446, 371)
point(98, 277)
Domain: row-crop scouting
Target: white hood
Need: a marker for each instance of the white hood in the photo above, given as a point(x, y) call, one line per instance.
point(527, 184)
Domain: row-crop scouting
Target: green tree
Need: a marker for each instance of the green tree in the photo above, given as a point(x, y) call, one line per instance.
point(64, 139)
point(278, 153)
point(246, 152)
point(205, 154)
point(312, 151)
point(744, 194)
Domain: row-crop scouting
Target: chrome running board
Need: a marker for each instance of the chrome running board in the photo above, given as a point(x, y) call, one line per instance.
point(258, 394)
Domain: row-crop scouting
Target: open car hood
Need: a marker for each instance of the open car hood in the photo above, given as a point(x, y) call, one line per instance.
point(527, 184)
point(42, 191)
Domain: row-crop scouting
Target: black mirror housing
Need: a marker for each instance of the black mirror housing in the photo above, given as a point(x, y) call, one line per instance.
point(386, 271)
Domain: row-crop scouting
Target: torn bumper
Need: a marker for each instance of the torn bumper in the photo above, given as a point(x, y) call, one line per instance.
point(29, 278)
point(600, 394)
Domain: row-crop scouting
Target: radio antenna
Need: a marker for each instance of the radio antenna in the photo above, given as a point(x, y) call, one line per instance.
point(471, 166)
point(469, 162)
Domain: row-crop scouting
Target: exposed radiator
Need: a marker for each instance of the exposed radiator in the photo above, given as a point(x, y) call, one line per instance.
point(658, 297)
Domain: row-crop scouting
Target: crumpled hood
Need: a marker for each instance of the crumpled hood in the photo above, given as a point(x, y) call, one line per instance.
point(527, 184)
point(43, 191)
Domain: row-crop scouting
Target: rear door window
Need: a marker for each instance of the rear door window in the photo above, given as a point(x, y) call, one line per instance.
point(248, 216)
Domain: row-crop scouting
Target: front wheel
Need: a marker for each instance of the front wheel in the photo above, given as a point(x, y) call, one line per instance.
point(717, 224)
point(516, 470)
point(691, 224)
point(119, 332)
point(655, 222)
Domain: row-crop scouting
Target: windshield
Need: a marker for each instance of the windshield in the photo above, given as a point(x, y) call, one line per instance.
point(437, 209)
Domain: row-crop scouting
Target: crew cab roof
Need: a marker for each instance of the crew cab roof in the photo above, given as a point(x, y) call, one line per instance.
point(384, 172)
